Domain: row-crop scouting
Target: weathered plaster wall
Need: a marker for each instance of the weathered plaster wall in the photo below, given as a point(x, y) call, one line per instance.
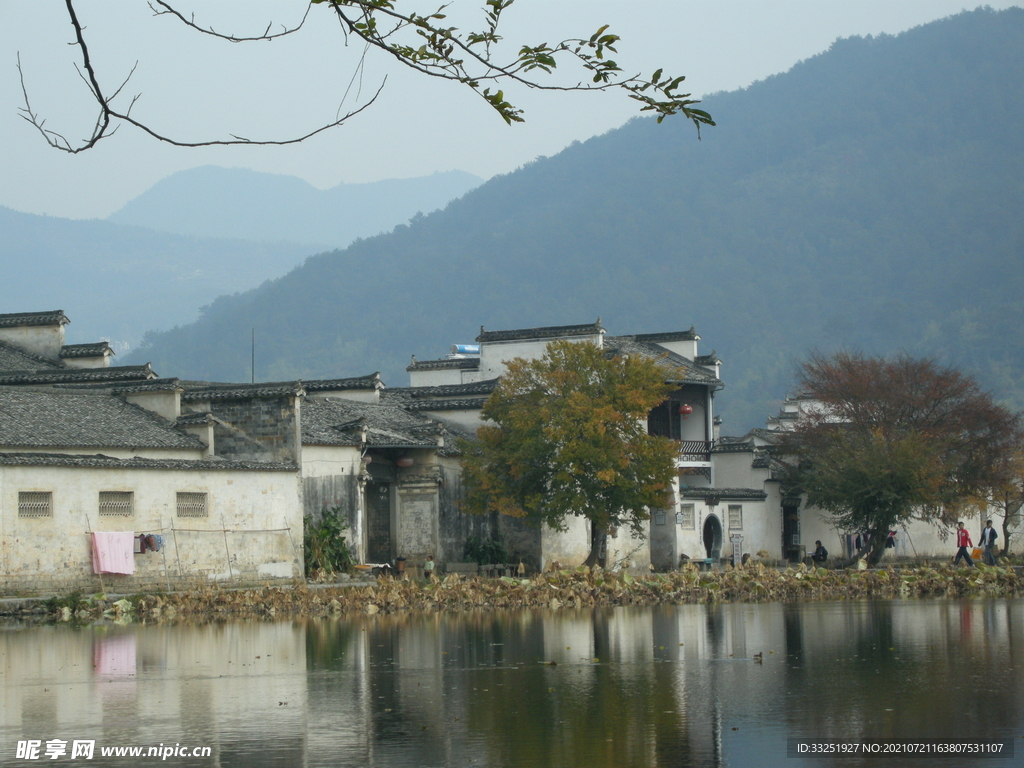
point(43, 340)
point(48, 554)
point(439, 377)
point(923, 539)
point(568, 548)
point(455, 527)
point(494, 354)
point(523, 541)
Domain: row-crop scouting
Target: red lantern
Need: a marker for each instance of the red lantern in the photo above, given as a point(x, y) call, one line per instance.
point(685, 410)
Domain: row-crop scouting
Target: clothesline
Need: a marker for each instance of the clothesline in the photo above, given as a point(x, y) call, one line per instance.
point(210, 530)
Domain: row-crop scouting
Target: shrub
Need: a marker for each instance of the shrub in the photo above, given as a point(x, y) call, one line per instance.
point(327, 549)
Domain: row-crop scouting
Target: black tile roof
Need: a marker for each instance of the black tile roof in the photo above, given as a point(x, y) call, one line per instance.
point(734, 445)
point(84, 375)
point(725, 494)
point(109, 462)
point(38, 418)
point(458, 404)
point(96, 349)
point(442, 390)
point(680, 369)
point(15, 319)
point(370, 381)
point(549, 332)
point(455, 363)
point(204, 390)
point(656, 338)
point(198, 417)
point(335, 421)
point(14, 358)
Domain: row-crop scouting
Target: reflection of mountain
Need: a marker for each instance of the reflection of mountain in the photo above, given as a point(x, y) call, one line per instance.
point(667, 686)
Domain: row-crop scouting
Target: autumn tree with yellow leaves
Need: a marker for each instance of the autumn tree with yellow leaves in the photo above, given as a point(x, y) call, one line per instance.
point(566, 435)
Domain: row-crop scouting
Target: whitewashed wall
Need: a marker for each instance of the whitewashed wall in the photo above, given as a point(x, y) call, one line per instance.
point(48, 554)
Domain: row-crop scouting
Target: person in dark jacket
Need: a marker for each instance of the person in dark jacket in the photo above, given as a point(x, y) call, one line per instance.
point(820, 554)
point(988, 543)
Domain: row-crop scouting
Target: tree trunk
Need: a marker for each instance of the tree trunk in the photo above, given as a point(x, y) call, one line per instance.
point(598, 538)
point(876, 547)
point(1007, 517)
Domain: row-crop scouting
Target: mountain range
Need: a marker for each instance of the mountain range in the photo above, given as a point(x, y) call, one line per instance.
point(210, 201)
point(181, 244)
point(869, 198)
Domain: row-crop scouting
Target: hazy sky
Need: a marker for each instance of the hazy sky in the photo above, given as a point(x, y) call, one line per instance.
point(193, 86)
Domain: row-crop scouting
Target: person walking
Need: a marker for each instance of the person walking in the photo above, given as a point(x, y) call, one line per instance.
point(963, 541)
point(988, 543)
point(428, 568)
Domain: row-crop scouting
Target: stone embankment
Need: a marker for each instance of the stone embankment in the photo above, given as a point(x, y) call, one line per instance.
point(579, 588)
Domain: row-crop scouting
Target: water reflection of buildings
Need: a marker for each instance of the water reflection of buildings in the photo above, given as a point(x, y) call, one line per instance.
point(657, 687)
point(214, 685)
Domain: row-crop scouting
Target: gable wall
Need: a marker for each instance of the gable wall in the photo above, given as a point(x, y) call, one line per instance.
point(43, 340)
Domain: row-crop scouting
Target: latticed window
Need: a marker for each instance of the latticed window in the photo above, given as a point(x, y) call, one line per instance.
point(686, 515)
point(735, 516)
point(192, 505)
point(35, 504)
point(117, 504)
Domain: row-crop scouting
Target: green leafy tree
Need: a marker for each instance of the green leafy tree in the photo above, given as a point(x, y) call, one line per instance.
point(423, 42)
point(566, 435)
point(890, 439)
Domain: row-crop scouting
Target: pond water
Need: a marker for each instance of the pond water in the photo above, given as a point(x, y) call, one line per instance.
point(665, 686)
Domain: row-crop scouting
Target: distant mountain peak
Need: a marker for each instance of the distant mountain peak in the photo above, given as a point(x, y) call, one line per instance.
point(213, 201)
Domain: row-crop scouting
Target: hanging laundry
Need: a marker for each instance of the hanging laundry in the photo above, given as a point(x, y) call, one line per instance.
point(112, 552)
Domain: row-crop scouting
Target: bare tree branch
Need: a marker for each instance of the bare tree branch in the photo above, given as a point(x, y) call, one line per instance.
point(421, 43)
point(157, 5)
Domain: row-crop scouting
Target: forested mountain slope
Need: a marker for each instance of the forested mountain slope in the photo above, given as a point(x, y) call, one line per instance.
point(870, 197)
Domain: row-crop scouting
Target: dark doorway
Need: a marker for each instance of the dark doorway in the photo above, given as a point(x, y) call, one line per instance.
point(713, 537)
point(791, 533)
point(378, 522)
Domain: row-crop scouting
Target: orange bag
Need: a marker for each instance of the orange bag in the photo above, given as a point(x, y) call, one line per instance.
point(976, 553)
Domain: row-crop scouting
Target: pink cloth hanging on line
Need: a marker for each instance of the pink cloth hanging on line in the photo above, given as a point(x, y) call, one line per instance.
point(112, 552)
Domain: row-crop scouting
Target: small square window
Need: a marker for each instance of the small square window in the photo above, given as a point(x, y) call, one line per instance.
point(685, 517)
point(735, 516)
point(192, 505)
point(35, 504)
point(117, 504)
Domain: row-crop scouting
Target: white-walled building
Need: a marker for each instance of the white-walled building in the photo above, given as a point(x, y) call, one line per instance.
point(87, 447)
point(453, 389)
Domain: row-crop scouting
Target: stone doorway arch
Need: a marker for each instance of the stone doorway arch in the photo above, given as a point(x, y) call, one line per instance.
point(713, 537)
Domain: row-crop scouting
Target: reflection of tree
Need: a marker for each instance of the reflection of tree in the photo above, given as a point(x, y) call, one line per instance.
point(605, 713)
point(433, 689)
